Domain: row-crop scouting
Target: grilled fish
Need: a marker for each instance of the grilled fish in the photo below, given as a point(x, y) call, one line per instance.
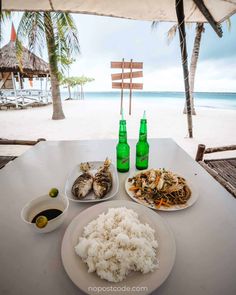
point(84, 183)
point(102, 180)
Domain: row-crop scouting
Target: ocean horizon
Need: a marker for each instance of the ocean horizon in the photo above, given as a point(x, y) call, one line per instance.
point(218, 100)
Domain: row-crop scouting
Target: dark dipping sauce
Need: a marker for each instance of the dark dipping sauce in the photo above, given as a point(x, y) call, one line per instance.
point(49, 213)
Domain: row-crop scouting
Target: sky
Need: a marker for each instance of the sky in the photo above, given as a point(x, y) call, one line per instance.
point(106, 39)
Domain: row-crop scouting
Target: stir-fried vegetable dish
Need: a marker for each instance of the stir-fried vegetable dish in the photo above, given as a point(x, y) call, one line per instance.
point(160, 187)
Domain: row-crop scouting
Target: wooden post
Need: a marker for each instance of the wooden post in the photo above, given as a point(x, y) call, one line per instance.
point(220, 149)
point(21, 83)
point(181, 27)
point(41, 89)
point(20, 89)
point(20, 142)
point(14, 87)
point(122, 87)
point(131, 65)
point(200, 152)
point(130, 90)
point(41, 139)
point(46, 89)
point(4, 79)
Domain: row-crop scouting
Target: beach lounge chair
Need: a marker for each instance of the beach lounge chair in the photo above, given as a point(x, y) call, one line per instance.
point(223, 170)
point(5, 159)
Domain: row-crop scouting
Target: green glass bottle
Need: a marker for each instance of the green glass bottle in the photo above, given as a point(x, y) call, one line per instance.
point(122, 149)
point(142, 146)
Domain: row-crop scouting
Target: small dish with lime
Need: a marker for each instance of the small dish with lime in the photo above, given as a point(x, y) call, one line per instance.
point(46, 213)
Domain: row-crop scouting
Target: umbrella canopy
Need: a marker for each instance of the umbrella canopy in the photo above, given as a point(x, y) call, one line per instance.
point(152, 10)
point(31, 65)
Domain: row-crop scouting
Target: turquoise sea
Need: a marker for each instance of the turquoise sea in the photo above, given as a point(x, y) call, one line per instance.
point(201, 99)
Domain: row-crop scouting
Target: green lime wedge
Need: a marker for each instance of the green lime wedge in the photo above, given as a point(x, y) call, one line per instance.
point(53, 192)
point(41, 221)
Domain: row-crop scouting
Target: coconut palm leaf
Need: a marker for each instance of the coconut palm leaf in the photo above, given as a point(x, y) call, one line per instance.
point(33, 28)
point(4, 15)
point(31, 31)
point(154, 25)
point(58, 31)
point(228, 23)
point(68, 33)
point(171, 34)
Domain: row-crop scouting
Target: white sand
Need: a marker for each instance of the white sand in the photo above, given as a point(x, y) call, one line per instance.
point(90, 119)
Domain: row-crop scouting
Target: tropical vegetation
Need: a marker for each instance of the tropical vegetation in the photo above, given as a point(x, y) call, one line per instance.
point(72, 82)
point(58, 32)
point(3, 17)
point(194, 59)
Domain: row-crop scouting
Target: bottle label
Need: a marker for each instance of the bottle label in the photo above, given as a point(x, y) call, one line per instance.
point(125, 160)
point(143, 158)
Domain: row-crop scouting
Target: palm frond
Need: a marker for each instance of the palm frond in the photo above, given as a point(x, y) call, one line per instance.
point(31, 31)
point(228, 23)
point(74, 81)
point(171, 34)
point(155, 25)
point(67, 32)
point(58, 29)
point(4, 16)
point(65, 36)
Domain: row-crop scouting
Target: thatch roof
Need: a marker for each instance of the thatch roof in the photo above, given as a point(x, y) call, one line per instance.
point(31, 65)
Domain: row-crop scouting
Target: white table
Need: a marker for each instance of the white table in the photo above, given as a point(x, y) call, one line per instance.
point(205, 233)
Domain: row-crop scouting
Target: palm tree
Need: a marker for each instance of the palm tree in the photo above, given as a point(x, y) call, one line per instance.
point(81, 81)
point(60, 34)
point(193, 64)
point(66, 80)
point(76, 81)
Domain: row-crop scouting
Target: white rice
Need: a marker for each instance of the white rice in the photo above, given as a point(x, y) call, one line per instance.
point(117, 243)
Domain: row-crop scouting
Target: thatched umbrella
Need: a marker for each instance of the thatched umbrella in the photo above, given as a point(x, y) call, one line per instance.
point(210, 11)
point(29, 65)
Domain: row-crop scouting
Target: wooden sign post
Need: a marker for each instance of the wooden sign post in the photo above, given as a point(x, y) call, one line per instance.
point(126, 75)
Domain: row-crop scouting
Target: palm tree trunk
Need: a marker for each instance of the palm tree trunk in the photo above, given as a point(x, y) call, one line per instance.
point(81, 97)
point(82, 91)
point(193, 64)
point(69, 91)
point(56, 96)
point(179, 5)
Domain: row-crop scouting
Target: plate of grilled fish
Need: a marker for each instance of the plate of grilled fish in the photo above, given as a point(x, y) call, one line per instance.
point(92, 182)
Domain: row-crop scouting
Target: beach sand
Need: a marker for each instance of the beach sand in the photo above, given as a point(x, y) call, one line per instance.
point(98, 119)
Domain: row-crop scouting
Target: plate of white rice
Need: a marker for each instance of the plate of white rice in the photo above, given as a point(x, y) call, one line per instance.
point(117, 245)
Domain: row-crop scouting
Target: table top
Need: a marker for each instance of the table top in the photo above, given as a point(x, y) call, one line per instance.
point(205, 233)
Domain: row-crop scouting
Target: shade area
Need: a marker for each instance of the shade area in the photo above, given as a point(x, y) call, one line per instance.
point(160, 10)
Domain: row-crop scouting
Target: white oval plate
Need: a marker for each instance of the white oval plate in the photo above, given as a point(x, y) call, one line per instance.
point(95, 165)
point(77, 270)
point(193, 198)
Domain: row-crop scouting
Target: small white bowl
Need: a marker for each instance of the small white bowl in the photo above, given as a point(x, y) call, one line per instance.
point(34, 207)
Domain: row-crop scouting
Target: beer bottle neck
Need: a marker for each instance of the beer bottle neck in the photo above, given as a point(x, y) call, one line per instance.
point(143, 130)
point(122, 132)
